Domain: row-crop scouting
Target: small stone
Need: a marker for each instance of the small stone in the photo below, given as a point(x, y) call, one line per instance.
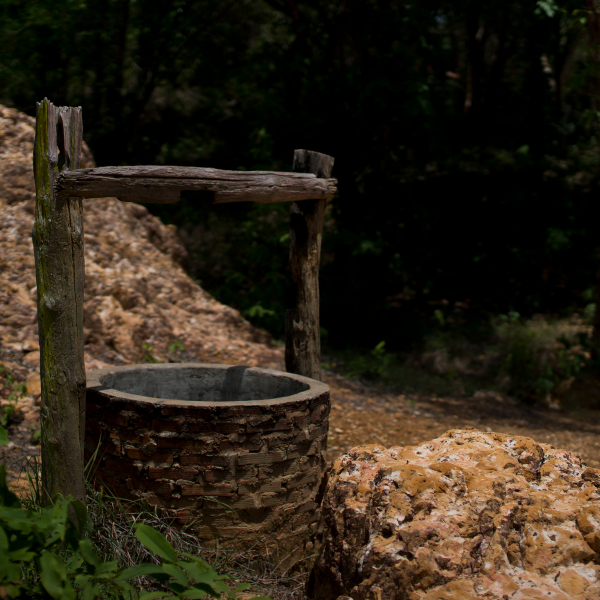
point(32, 358)
point(30, 345)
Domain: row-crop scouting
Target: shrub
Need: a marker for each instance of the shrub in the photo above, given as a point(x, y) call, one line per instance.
point(539, 355)
point(373, 365)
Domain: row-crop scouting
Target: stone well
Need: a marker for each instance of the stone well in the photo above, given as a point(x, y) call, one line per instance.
point(233, 452)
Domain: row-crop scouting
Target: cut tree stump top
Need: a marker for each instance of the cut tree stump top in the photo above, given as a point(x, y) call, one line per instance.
point(163, 185)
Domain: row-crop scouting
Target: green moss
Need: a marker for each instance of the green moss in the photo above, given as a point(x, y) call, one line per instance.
point(54, 396)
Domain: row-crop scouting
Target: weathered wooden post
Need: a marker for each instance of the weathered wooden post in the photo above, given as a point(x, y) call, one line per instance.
point(59, 263)
point(302, 327)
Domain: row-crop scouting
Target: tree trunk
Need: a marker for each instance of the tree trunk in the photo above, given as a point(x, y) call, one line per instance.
point(302, 328)
point(593, 27)
point(59, 264)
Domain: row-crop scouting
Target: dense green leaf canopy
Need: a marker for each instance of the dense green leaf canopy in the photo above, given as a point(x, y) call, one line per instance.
point(465, 136)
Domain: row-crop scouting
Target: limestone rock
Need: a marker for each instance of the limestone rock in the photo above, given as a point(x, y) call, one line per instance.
point(139, 303)
point(466, 516)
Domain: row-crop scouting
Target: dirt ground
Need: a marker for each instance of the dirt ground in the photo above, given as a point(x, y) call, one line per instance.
point(367, 415)
point(362, 414)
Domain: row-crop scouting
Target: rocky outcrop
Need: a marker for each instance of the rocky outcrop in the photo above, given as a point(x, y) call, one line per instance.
point(139, 304)
point(470, 515)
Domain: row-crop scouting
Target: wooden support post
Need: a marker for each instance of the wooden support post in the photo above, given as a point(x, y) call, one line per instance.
point(302, 327)
point(59, 265)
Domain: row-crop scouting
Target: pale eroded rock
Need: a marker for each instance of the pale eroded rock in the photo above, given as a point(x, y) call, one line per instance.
point(470, 515)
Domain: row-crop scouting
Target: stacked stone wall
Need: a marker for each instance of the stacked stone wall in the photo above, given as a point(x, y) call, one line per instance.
point(247, 474)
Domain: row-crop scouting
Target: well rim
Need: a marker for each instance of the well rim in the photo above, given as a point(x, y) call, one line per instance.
point(315, 388)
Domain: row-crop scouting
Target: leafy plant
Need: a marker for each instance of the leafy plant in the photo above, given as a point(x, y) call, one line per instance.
point(176, 346)
point(148, 356)
point(372, 365)
point(241, 254)
point(258, 311)
point(35, 436)
point(45, 554)
point(539, 355)
point(16, 391)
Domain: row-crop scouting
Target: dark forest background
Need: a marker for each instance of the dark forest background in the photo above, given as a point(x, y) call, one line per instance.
point(465, 137)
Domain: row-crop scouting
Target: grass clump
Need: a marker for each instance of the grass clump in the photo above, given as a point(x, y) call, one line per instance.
point(64, 551)
point(113, 535)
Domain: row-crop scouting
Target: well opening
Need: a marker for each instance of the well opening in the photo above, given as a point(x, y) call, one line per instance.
point(202, 383)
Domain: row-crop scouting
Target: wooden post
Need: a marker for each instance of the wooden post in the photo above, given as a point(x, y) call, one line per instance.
point(302, 328)
point(59, 266)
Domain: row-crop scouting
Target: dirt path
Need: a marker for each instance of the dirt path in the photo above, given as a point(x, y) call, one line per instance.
point(367, 415)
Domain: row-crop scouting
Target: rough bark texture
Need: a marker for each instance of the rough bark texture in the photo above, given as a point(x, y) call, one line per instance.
point(163, 185)
point(302, 329)
point(58, 247)
point(467, 516)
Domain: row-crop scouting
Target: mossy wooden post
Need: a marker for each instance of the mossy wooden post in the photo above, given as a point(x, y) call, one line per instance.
point(302, 327)
point(59, 265)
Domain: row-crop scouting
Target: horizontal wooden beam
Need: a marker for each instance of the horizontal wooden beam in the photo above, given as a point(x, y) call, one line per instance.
point(163, 185)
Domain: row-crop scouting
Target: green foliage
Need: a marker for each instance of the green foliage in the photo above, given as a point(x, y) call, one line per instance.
point(143, 59)
point(257, 311)
point(148, 356)
point(491, 113)
point(372, 365)
point(240, 252)
point(533, 360)
point(589, 311)
point(36, 435)
point(176, 346)
point(44, 553)
point(548, 7)
point(394, 370)
point(438, 316)
point(538, 355)
point(16, 391)
point(378, 364)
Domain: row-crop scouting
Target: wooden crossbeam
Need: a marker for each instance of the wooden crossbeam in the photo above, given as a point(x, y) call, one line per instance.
point(163, 185)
